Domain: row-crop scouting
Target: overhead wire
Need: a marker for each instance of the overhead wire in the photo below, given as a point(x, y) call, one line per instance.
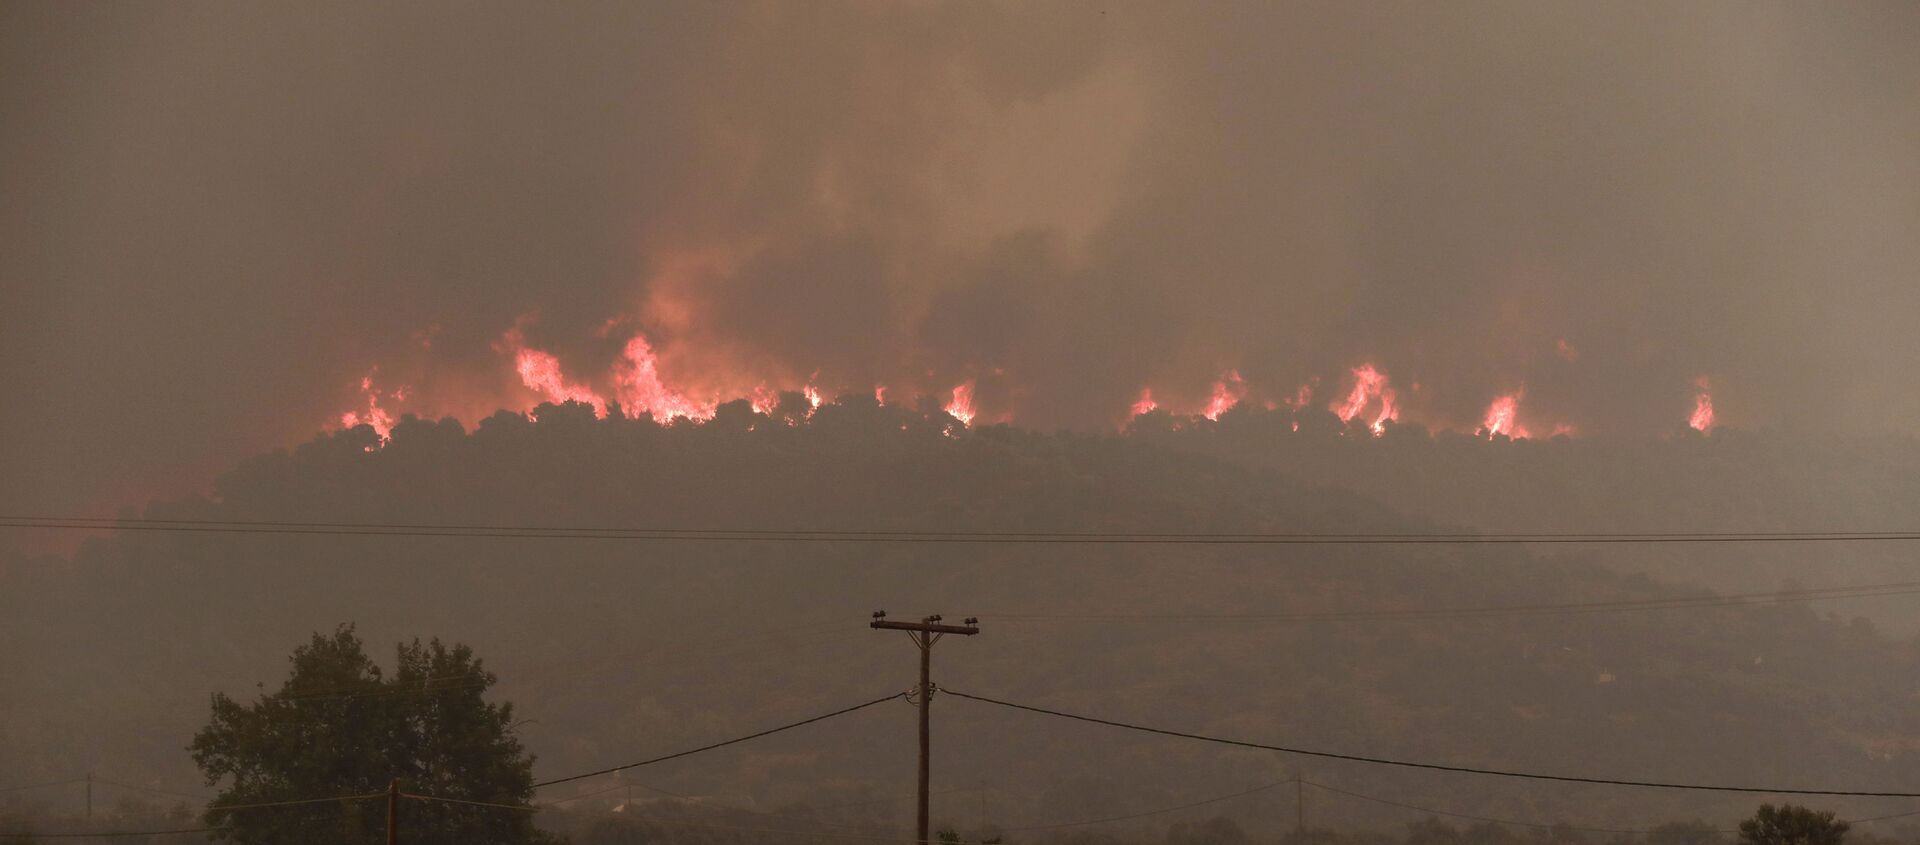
point(1442, 767)
point(723, 743)
point(1896, 588)
point(111, 833)
point(44, 785)
point(796, 535)
point(221, 808)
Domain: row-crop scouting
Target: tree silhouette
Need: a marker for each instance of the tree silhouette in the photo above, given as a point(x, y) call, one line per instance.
point(339, 727)
point(1790, 824)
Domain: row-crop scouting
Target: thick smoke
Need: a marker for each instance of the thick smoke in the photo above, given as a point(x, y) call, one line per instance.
point(222, 210)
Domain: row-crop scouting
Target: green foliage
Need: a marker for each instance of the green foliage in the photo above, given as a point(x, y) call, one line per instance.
point(1790, 824)
point(339, 727)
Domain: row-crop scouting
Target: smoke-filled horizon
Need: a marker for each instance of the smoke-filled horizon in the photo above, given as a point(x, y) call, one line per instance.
point(229, 227)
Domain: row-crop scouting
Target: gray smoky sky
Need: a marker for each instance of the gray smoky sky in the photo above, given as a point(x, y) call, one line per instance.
point(219, 216)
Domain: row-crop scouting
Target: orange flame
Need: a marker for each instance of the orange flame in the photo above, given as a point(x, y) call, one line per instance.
point(640, 390)
point(764, 399)
point(374, 416)
point(1503, 417)
point(961, 407)
point(1144, 404)
point(1369, 385)
point(634, 382)
point(1227, 393)
point(540, 372)
point(1702, 418)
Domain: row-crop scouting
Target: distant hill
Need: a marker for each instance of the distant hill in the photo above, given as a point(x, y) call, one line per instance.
point(1730, 481)
point(620, 650)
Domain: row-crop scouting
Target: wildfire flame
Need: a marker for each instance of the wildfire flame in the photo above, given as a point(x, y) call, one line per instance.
point(961, 407)
point(1227, 393)
point(633, 383)
point(640, 390)
point(540, 372)
point(1503, 417)
point(374, 416)
point(1702, 418)
point(764, 399)
point(1370, 385)
point(1144, 404)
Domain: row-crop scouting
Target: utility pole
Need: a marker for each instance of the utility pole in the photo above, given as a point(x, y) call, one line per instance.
point(925, 633)
point(393, 812)
point(89, 796)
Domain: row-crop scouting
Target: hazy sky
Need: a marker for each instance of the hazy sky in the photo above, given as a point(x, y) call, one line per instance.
point(219, 217)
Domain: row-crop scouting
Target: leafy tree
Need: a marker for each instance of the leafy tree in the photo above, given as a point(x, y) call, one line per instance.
point(1790, 824)
point(338, 726)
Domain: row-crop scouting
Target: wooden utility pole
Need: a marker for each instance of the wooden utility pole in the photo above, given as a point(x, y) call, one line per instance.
point(925, 633)
point(393, 812)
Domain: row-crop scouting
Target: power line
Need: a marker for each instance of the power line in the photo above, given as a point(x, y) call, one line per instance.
point(723, 743)
point(110, 833)
point(26, 786)
point(221, 808)
point(1897, 588)
point(525, 808)
point(377, 529)
point(1383, 761)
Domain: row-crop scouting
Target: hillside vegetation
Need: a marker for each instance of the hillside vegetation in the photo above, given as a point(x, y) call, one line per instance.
point(620, 650)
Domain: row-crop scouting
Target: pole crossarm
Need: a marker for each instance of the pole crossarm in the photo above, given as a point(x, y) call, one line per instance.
point(925, 627)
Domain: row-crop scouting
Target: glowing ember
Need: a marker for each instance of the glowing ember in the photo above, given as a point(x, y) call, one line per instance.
point(1503, 417)
point(961, 408)
point(1702, 418)
point(1227, 393)
point(1145, 403)
point(374, 416)
point(540, 372)
point(640, 390)
point(879, 394)
point(1370, 387)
